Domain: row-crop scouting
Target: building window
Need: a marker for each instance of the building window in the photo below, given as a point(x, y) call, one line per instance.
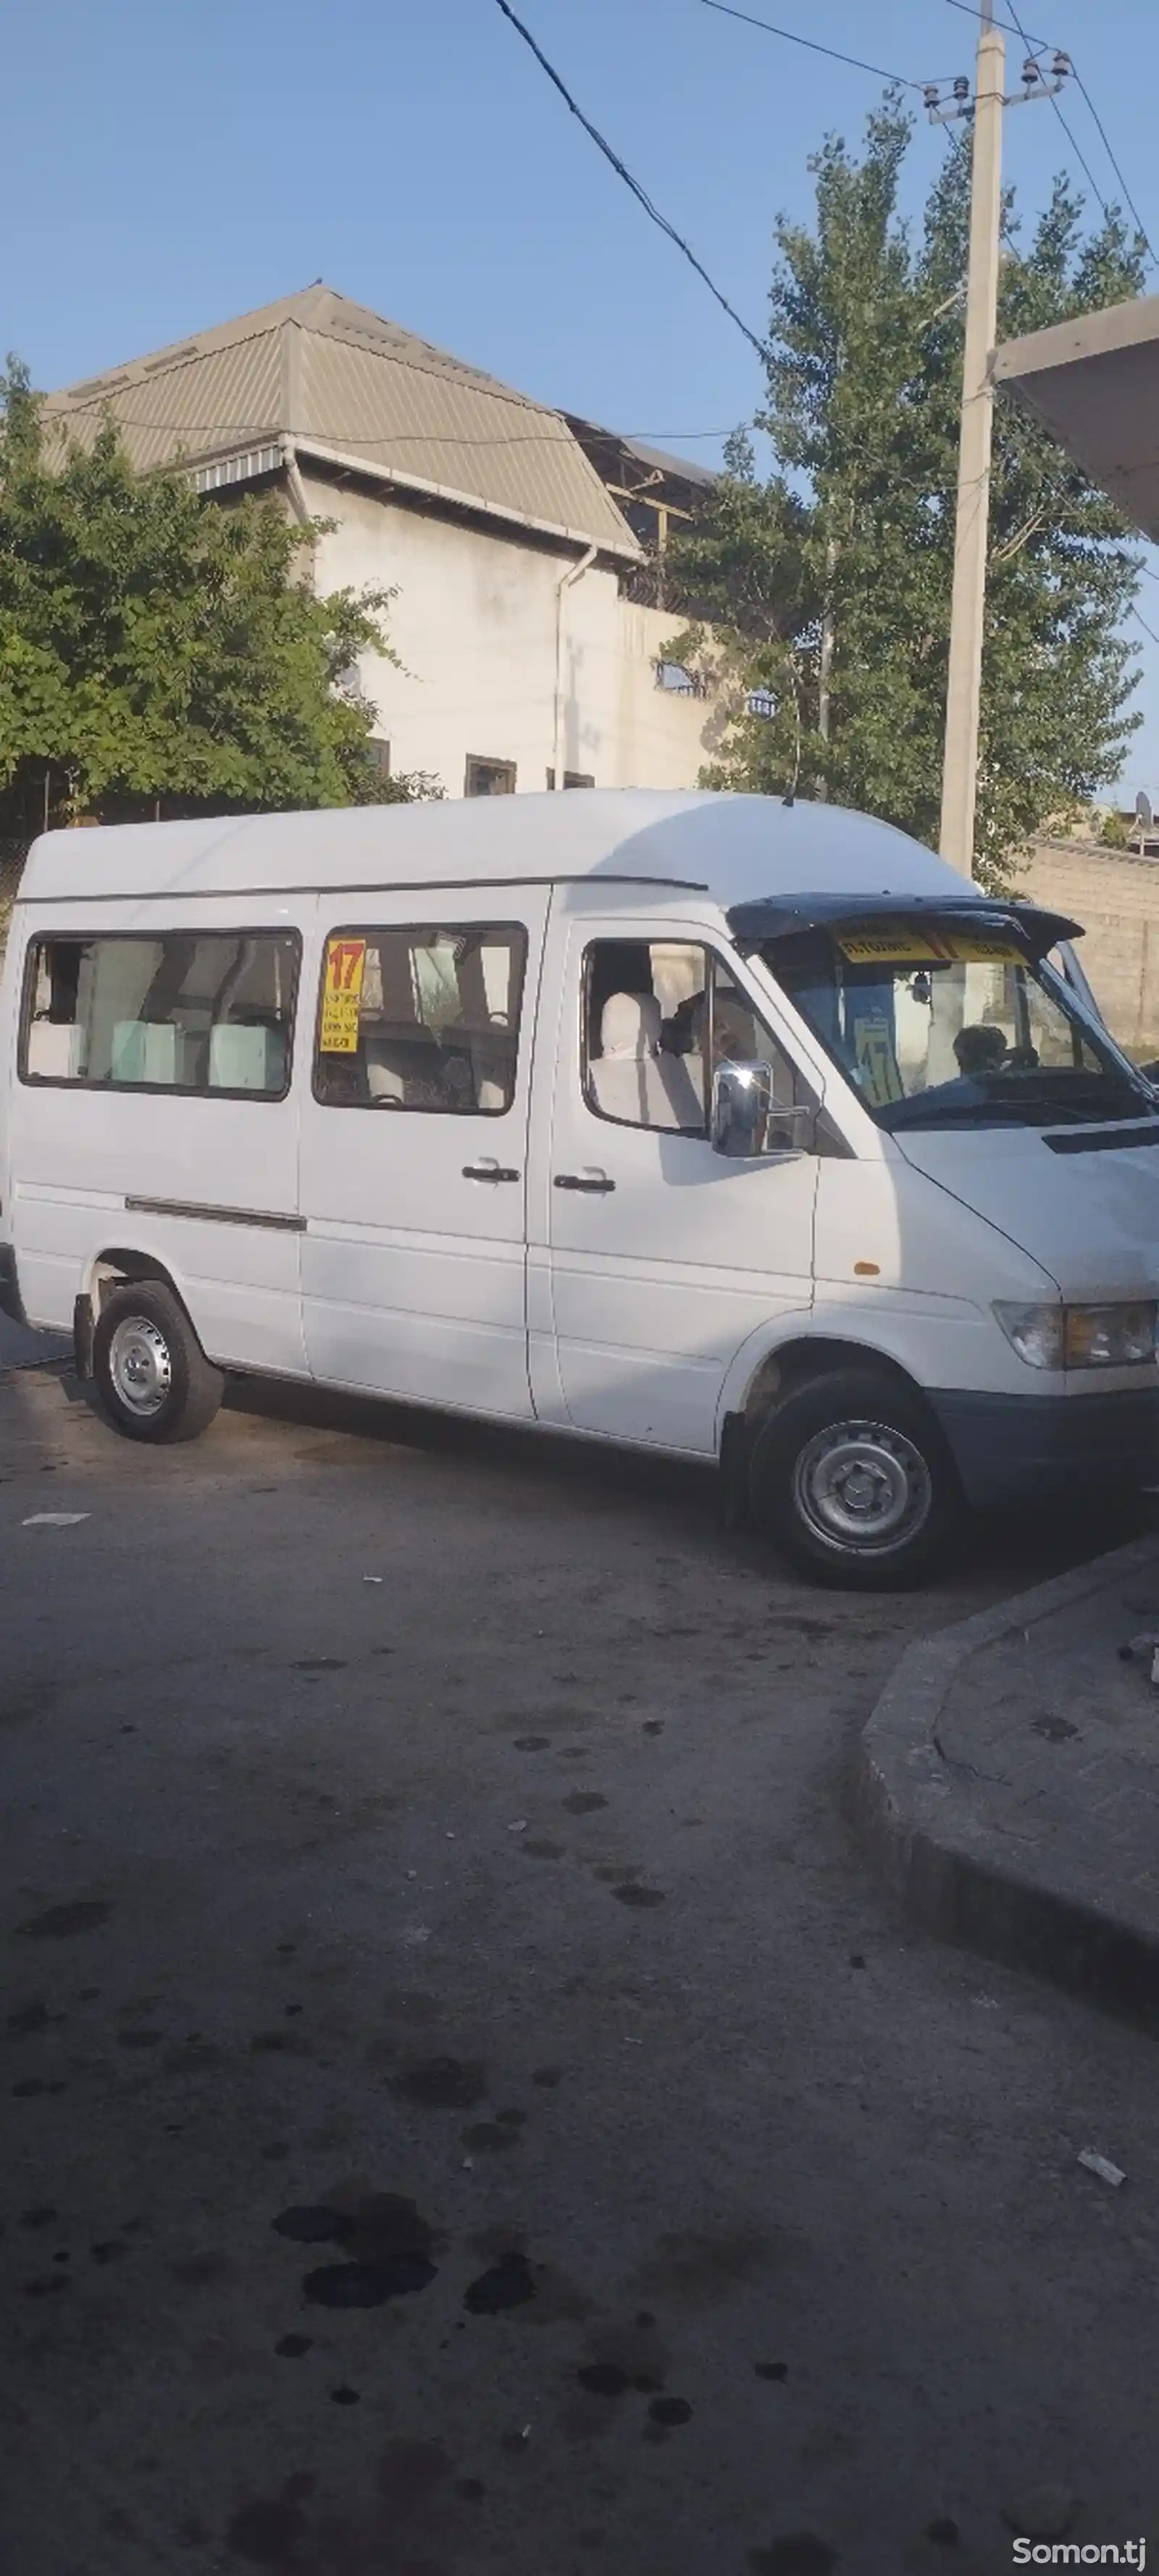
point(422, 1019)
point(204, 1012)
point(679, 681)
point(571, 778)
point(379, 753)
point(489, 777)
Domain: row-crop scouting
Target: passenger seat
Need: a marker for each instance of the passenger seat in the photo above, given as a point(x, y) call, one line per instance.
point(630, 1080)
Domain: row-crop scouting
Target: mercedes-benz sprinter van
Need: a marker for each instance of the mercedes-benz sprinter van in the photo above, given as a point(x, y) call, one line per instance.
point(709, 1124)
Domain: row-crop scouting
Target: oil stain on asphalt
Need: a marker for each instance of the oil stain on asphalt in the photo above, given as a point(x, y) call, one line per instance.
point(390, 2247)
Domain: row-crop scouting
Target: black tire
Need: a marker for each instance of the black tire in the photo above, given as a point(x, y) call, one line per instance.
point(807, 1488)
point(143, 1334)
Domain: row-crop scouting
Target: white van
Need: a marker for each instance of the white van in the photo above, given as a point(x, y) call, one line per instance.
point(707, 1124)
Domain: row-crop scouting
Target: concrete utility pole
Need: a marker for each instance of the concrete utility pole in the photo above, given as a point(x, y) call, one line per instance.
point(972, 523)
point(964, 682)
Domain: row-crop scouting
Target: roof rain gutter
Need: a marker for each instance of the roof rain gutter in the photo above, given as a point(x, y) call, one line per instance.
point(630, 551)
point(294, 484)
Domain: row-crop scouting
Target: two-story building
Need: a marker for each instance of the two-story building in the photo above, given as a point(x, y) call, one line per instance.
point(530, 641)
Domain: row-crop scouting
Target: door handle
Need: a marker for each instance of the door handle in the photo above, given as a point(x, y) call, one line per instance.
point(488, 1170)
point(594, 1181)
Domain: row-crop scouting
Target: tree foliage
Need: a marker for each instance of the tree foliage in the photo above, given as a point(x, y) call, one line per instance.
point(830, 581)
point(162, 653)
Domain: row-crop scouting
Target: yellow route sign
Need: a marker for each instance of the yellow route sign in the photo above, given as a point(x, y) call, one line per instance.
point(897, 944)
point(342, 996)
point(892, 946)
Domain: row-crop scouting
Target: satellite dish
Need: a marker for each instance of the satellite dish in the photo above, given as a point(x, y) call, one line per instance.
point(1144, 815)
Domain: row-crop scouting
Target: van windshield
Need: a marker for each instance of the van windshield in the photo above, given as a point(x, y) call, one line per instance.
point(947, 1028)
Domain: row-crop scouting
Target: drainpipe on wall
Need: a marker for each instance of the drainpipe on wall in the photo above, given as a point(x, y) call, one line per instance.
point(575, 572)
point(294, 484)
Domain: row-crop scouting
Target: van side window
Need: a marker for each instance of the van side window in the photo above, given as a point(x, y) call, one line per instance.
point(642, 1061)
point(659, 1016)
point(424, 1019)
point(194, 1012)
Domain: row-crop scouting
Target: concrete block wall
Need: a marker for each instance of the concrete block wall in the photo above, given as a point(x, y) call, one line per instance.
point(1116, 897)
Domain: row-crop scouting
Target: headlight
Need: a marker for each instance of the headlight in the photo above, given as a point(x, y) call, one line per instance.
point(1109, 1336)
point(1080, 1337)
point(1035, 1332)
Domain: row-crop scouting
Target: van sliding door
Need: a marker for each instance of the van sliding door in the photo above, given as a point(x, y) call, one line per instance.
point(414, 1146)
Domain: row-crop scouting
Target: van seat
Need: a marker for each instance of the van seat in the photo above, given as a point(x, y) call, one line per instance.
point(144, 1051)
point(54, 1049)
point(246, 1059)
point(631, 1079)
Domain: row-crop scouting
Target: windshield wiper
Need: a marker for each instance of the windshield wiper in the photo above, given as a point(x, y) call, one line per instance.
point(1024, 1102)
point(1028, 1110)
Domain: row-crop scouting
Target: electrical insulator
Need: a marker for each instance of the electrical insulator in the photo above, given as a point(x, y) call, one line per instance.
point(961, 86)
point(931, 95)
point(1061, 66)
point(1030, 71)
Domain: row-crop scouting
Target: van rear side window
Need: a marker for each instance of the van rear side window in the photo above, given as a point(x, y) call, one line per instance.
point(195, 1012)
point(423, 1019)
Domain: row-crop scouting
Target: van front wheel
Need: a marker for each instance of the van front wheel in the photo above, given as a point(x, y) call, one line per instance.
point(150, 1371)
point(850, 1476)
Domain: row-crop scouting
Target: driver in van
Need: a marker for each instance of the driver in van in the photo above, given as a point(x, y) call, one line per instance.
point(732, 1029)
point(980, 1049)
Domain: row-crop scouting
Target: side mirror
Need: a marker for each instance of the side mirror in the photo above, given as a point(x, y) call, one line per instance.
point(747, 1121)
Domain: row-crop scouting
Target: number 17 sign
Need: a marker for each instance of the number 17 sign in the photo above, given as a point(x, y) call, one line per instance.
point(342, 996)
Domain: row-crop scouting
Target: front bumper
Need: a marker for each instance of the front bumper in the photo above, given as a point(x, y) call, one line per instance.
point(9, 1285)
point(1052, 1449)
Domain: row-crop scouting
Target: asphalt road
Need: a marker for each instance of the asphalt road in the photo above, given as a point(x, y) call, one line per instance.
point(466, 2108)
point(20, 1348)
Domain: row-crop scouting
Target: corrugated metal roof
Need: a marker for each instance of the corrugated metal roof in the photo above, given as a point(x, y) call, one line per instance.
point(334, 377)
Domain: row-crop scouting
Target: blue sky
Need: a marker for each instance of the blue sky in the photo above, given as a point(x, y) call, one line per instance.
point(173, 165)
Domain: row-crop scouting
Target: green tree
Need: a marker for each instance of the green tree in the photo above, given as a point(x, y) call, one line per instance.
point(861, 406)
point(162, 653)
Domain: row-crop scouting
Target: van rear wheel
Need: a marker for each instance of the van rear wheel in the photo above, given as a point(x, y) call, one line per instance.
point(149, 1369)
point(852, 1479)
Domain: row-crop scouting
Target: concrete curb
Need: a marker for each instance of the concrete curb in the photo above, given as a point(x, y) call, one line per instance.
point(954, 1875)
point(55, 1367)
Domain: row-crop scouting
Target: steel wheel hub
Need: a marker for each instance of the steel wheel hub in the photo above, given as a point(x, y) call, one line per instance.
point(863, 1485)
point(140, 1365)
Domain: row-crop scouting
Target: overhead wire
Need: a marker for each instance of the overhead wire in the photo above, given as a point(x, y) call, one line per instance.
point(1076, 147)
point(1142, 229)
point(638, 191)
point(256, 436)
point(897, 80)
point(970, 9)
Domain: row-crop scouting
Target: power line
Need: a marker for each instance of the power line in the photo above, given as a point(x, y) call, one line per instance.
point(897, 80)
point(398, 438)
point(1076, 147)
point(970, 9)
point(622, 172)
point(1014, 27)
point(1115, 166)
point(1147, 630)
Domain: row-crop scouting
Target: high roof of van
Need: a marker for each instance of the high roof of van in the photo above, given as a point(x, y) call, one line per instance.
point(732, 848)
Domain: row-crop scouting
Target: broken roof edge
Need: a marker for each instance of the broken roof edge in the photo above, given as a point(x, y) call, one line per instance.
point(680, 469)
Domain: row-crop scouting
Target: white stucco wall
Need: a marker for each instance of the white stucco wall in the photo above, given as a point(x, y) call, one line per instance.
point(474, 626)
